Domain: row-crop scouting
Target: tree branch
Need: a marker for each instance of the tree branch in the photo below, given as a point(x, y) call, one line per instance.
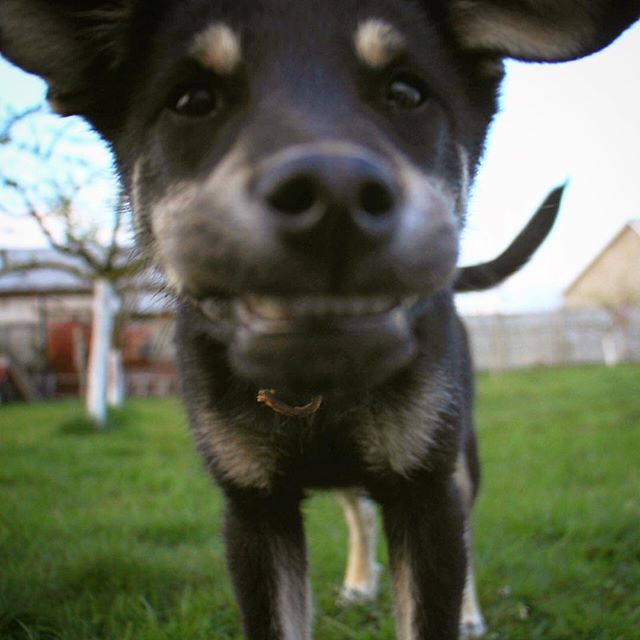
point(127, 270)
point(48, 201)
point(39, 265)
point(115, 230)
point(13, 119)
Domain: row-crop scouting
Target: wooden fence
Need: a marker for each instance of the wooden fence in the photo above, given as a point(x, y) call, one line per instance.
point(554, 339)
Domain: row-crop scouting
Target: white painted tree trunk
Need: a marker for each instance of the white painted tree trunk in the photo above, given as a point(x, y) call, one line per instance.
point(105, 305)
point(115, 379)
point(610, 349)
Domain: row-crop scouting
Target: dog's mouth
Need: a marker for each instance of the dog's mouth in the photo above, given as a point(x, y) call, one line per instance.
point(316, 343)
point(312, 309)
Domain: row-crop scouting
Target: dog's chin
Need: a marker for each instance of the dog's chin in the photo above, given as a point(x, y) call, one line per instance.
point(319, 344)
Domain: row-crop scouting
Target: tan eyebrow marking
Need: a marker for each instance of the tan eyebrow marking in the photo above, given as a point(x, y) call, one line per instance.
point(218, 48)
point(377, 43)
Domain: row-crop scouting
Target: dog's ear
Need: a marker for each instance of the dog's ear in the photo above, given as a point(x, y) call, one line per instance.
point(541, 30)
point(76, 46)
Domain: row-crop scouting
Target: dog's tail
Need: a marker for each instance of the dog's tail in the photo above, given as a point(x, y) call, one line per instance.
point(488, 274)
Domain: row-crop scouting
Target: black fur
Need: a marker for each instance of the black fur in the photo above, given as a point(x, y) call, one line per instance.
point(306, 209)
point(517, 254)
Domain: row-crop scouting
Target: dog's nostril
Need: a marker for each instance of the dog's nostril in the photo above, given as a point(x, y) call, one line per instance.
point(295, 196)
point(375, 199)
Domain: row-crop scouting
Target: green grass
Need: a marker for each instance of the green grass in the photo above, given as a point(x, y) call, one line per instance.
point(116, 535)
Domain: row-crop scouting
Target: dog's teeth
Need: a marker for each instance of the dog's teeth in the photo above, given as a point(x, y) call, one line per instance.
point(268, 308)
point(215, 309)
point(271, 308)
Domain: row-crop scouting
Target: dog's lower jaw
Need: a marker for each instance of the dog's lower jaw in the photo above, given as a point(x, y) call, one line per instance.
point(314, 344)
point(319, 357)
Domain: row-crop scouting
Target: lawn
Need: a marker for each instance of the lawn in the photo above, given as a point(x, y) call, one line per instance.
point(116, 535)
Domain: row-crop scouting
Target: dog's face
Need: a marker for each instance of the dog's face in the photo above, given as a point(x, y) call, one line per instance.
point(305, 176)
point(299, 170)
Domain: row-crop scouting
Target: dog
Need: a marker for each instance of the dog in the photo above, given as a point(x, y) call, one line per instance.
point(299, 171)
point(361, 576)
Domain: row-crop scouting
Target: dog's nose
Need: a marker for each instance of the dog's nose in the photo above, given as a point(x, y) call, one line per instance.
point(311, 192)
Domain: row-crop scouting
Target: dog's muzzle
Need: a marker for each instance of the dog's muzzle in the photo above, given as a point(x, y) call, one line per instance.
point(315, 343)
point(340, 240)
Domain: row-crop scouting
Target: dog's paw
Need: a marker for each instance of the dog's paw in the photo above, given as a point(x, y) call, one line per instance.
point(473, 629)
point(361, 593)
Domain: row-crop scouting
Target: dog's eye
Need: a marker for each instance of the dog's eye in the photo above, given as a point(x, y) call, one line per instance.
point(405, 92)
point(195, 102)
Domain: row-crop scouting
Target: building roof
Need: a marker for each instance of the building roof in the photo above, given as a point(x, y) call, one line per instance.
point(632, 226)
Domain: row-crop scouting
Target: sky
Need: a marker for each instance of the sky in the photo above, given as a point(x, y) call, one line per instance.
point(577, 122)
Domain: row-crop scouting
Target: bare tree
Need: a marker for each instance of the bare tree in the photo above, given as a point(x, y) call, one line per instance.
point(44, 183)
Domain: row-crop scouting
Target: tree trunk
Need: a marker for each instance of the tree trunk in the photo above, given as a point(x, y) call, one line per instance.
point(105, 304)
point(115, 379)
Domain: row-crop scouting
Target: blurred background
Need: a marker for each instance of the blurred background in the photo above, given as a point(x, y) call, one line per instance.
point(62, 230)
point(112, 533)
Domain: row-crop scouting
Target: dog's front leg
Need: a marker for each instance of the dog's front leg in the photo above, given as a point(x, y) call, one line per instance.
point(425, 534)
point(267, 561)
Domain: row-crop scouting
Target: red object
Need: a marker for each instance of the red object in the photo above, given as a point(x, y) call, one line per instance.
point(61, 345)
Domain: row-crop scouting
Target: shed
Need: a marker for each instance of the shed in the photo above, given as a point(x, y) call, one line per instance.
point(612, 278)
